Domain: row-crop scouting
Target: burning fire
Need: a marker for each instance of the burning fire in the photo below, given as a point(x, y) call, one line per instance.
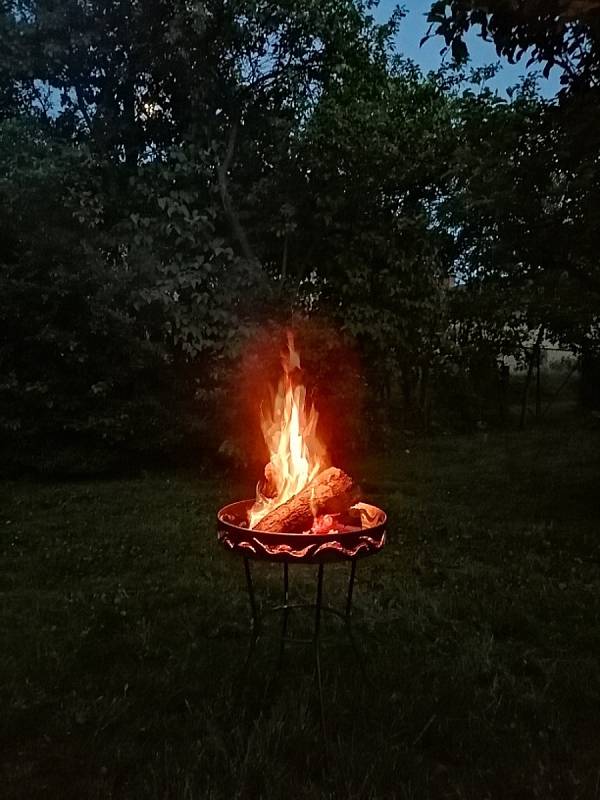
point(290, 432)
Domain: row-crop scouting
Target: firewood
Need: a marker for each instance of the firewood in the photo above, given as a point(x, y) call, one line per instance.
point(330, 492)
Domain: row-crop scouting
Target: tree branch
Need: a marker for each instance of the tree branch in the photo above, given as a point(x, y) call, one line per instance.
point(82, 107)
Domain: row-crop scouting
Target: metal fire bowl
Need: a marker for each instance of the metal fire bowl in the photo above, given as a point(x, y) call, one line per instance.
point(305, 548)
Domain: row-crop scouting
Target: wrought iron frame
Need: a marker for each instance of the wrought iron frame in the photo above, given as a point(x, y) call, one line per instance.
point(319, 608)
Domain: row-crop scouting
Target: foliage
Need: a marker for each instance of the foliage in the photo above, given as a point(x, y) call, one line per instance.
point(558, 171)
point(176, 178)
point(522, 233)
point(563, 34)
point(137, 162)
point(73, 357)
point(566, 36)
point(371, 167)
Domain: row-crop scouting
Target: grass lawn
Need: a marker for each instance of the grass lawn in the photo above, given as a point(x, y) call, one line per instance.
point(123, 628)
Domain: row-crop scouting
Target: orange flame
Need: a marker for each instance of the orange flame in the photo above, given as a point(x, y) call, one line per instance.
point(290, 432)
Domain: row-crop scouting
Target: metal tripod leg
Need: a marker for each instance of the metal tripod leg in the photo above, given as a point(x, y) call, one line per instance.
point(350, 589)
point(319, 609)
point(285, 611)
point(348, 623)
point(318, 606)
point(255, 632)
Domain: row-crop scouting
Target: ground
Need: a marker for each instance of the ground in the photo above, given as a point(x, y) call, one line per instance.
point(124, 628)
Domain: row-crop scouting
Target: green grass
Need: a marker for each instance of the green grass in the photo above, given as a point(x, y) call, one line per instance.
point(124, 627)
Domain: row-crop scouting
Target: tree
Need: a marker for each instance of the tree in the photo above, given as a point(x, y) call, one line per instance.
point(366, 247)
point(144, 133)
point(562, 33)
point(522, 229)
point(77, 365)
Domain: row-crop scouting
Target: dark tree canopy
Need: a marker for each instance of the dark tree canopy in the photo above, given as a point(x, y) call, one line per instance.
point(561, 33)
point(175, 177)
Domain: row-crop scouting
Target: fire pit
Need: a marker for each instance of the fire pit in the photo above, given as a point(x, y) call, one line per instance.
point(305, 511)
point(306, 548)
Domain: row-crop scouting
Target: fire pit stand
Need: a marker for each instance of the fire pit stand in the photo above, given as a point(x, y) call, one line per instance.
point(301, 548)
point(317, 607)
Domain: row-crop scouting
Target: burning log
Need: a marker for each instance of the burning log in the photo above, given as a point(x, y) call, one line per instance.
point(330, 492)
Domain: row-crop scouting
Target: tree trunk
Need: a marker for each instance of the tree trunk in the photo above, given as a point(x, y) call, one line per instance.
point(538, 386)
point(425, 397)
point(504, 380)
point(228, 207)
point(532, 361)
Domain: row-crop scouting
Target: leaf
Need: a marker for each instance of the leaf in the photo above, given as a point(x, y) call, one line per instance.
point(460, 54)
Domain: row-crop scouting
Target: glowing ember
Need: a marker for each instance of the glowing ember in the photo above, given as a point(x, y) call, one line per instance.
point(326, 523)
point(289, 430)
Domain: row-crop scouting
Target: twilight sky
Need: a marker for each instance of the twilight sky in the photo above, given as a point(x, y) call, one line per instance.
point(414, 26)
